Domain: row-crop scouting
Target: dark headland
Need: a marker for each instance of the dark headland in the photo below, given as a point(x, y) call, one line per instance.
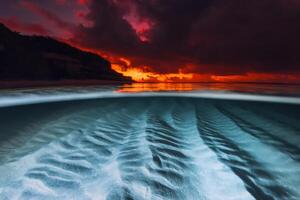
point(38, 60)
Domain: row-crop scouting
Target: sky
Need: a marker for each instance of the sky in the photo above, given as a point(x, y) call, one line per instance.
point(173, 40)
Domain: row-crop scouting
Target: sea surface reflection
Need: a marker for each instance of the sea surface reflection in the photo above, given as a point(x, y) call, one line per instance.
point(255, 88)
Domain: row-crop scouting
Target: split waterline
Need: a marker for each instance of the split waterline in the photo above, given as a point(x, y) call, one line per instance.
point(92, 143)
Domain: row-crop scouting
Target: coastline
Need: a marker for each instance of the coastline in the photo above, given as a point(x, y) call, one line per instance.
point(39, 83)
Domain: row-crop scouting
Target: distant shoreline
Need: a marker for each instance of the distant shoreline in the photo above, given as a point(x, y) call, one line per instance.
point(19, 84)
point(33, 84)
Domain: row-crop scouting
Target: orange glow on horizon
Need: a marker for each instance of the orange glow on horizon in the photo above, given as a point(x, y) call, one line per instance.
point(144, 74)
point(259, 77)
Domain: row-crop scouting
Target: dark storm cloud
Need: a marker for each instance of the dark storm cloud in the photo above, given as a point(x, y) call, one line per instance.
point(56, 18)
point(46, 14)
point(110, 31)
point(209, 36)
point(25, 27)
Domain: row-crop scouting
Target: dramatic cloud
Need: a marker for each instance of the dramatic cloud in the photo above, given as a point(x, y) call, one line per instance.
point(207, 38)
point(60, 16)
point(29, 28)
point(44, 13)
point(203, 36)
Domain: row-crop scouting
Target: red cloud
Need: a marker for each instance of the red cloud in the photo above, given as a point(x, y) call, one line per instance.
point(20, 26)
point(44, 13)
point(217, 37)
point(83, 2)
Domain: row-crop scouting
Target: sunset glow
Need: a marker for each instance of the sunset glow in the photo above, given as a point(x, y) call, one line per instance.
point(146, 74)
point(142, 75)
point(150, 99)
point(180, 41)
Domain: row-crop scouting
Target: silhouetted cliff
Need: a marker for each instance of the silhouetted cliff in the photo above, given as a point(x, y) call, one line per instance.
point(43, 58)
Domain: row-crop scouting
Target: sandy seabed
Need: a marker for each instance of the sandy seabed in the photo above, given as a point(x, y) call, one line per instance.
point(150, 148)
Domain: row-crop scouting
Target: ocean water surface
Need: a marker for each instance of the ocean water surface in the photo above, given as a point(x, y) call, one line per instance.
point(151, 141)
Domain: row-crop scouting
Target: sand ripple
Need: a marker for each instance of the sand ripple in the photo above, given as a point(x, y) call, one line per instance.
point(150, 148)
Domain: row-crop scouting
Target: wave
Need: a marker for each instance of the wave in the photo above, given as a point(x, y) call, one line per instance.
point(151, 147)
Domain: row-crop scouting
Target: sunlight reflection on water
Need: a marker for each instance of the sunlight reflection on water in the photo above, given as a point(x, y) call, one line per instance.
point(279, 89)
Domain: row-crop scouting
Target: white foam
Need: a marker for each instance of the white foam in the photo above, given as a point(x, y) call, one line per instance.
point(26, 99)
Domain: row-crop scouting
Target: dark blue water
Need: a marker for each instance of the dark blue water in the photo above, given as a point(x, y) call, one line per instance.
point(98, 143)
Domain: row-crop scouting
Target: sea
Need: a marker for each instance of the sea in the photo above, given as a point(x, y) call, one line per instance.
point(185, 141)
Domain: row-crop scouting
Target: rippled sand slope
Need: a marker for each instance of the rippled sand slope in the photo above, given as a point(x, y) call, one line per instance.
point(150, 148)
